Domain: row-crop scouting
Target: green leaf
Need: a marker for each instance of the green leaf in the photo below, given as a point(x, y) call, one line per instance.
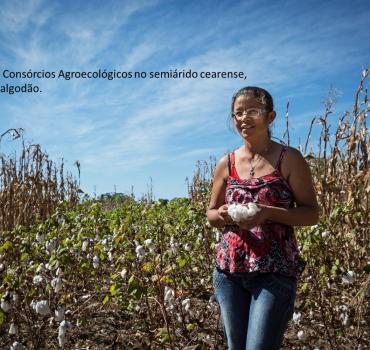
point(163, 335)
point(182, 262)
point(191, 326)
point(85, 266)
point(2, 317)
point(105, 300)
point(113, 290)
point(24, 256)
point(6, 246)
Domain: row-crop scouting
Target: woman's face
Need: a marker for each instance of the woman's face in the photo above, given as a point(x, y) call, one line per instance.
point(250, 118)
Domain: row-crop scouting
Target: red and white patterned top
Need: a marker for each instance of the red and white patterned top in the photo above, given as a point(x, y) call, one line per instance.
point(269, 247)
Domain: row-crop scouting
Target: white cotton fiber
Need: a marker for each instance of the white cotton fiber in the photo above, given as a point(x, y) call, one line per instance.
point(239, 212)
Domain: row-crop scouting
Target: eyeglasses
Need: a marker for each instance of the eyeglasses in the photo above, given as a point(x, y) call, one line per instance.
point(250, 112)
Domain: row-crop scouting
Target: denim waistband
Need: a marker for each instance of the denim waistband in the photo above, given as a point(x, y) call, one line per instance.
point(251, 274)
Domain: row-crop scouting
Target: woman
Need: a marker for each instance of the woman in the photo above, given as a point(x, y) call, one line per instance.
point(257, 261)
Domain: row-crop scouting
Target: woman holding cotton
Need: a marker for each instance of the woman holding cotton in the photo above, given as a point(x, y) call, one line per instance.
point(260, 191)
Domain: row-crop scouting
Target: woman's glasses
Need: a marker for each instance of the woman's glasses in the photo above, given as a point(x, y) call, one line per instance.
point(250, 112)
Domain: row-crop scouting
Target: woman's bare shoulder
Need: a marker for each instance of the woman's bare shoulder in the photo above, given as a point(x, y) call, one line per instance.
point(222, 167)
point(292, 159)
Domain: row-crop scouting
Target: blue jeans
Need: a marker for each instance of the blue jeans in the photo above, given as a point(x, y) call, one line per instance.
point(255, 308)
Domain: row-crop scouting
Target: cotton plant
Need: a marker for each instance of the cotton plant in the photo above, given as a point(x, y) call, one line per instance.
point(40, 237)
point(150, 244)
point(41, 307)
point(50, 245)
point(212, 304)
point(62, 337)
point(296, 317)
point(186, 304)
point(15, 297)
point(5, 305)
point(188, 247)
point(169, 298)
point(13, 329)
point(140, 252)
point(59, 313)
point(174, 245)
point(95, 261)
point(41, 268)
point(17, 346)
point(301, 335)
point(37, 280)
point(344, 317)
point(123, 273)
point(325, 234)
point(56, 283)
point(349, 277)
point(85, 245)
point(110, 255)
point(239, 212)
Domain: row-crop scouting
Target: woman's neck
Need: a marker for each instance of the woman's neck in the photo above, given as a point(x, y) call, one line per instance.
point(261, 147)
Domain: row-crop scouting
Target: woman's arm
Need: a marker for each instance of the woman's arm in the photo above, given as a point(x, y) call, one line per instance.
point(217, 210)
point(299, 177)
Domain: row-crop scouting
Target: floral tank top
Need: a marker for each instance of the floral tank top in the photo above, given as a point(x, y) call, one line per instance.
point(269, 247)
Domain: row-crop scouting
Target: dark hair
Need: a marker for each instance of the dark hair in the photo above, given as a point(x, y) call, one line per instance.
point(261, 95)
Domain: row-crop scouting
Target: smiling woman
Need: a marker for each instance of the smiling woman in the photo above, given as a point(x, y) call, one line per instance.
point(257, 260)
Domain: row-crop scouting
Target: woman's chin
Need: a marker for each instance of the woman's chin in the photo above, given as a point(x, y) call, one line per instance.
point(248, 131)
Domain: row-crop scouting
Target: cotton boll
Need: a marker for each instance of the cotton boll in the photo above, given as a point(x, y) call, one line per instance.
point(252, 209)
point(15, 297)
point(62, 339)
point(110, 256)
point(296, 317)
point(344, 318)
point(85, 244)
point(17, 346)
point(40, 237)
point(148, 242)
point(140, 252)
point(239, 212)
point(349, 277)
point(50, 245)
point(186, 304)
point(13, 329)
point(40, 268)
point(59, 313)
point(42, 307)
point(56, 283)
point(301, 336)
point(37, 280)
point(187, 247)
point(123, 273)
point(5, 305)
point(95, 261)
point(169, 294)
point(174, 245)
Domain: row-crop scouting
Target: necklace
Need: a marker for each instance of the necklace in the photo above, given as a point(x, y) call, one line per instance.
point(251, 171)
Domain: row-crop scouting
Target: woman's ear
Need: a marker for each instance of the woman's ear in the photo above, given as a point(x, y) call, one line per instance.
point(271, 116)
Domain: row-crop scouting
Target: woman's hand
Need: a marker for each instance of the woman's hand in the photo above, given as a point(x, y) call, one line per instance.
point(222, 212)
point(258, 218)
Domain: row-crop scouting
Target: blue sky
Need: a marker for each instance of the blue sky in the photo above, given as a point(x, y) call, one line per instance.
point(125, 132)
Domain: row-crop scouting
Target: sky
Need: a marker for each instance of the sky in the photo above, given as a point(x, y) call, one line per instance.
point(136, 133)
